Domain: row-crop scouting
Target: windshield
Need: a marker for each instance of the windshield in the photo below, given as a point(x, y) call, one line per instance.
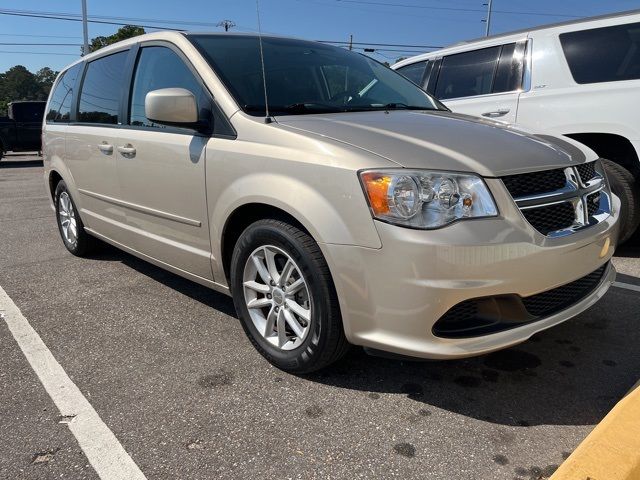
point(306, 77)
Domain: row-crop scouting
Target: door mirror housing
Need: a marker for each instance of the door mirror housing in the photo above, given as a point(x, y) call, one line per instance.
point(175, 107)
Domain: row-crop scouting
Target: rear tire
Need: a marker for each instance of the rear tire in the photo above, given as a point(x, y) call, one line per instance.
point(70, 225)
point(305, 346)
point(623, 185)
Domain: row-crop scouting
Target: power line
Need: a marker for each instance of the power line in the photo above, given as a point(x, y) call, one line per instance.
point(454, 9)
point(41, 53)
point(31, 15)
point(37, 36)
point(43, 44)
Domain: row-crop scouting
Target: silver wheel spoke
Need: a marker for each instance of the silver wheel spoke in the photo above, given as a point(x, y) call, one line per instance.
point(282, 330)
point(286, 273)
point(293, 323)
point(262, 270)
point(271, 322)
point(259, 303)
point(298, 309)
point(270, 260)
point(257, 287)
point(295, 286)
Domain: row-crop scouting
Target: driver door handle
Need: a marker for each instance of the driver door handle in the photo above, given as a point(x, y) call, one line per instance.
point(497, 113)
point(105, 148)
point(127, 150)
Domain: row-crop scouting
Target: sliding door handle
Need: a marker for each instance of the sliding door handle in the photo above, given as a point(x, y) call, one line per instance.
point(127, 150)
point(105, 148)
point(497, 113)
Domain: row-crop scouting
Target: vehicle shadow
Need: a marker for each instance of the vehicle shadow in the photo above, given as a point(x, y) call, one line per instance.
point(571, 374)
point(193, 290)
point(631, 249)
point(20, 163)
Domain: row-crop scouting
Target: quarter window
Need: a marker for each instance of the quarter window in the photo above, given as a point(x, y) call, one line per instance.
point(62, 95)
point(101, 89)
point(414, 72)
point(607, 54)
point(509, 72)
point(160, 67)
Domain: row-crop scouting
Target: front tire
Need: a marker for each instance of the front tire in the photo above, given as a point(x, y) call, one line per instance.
point(624, 185)
point(70, 225)
point(285, 297)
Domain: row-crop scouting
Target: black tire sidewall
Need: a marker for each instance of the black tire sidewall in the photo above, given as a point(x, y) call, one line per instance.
point(303, 357)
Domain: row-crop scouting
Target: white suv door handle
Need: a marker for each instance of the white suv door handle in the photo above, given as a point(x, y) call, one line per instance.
point(105, 148)
point(127, 150)
point(497, 113)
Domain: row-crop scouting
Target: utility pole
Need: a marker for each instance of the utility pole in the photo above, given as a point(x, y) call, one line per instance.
point(351, 42)
point(226, 24)
point(85, 31)
point(488, 20)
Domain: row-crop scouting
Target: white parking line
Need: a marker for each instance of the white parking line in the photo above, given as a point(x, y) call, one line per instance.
point(99, 444)
point(627, 286)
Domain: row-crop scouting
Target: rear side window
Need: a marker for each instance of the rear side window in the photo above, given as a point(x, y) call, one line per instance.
point(414, 72)
point(607, 54)
point(160, 67)
point(467, 74)
point(62, 95)
point(101, 89)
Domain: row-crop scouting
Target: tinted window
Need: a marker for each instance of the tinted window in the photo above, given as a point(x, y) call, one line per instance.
point(160, 67)
point(606, 54)
point(414, 72)
point(28, 111)
point(467, 74)
point(509, 72)
point(101, 89)
point(62, 95)
point(305, 77)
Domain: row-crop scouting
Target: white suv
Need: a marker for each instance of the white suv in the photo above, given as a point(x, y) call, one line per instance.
point(580, 79)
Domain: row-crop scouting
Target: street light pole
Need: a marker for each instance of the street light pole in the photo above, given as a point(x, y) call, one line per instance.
point(85, 32)
point(489, 5)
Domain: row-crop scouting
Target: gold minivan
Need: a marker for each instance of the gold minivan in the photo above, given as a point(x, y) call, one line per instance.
point(335, 201)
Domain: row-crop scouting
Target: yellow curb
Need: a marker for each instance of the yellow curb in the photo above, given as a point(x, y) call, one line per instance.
point(612, 450)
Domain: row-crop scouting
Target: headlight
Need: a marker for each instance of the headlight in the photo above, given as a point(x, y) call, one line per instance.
point(426, 199)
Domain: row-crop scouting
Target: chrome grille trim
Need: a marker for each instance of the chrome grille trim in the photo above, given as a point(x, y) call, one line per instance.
point(577, 192)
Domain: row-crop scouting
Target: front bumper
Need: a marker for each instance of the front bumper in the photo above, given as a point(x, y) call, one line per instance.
point(391, 297)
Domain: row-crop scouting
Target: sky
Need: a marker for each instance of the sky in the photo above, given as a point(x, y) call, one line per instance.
point(408, 22)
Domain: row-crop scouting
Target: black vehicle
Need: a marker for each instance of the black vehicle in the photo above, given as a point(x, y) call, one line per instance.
point(21, 130)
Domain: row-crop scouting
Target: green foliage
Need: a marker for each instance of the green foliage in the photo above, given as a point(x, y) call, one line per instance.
point(128, 31)
point(18, 83)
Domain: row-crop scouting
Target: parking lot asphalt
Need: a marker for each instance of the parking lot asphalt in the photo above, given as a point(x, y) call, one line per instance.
point(166, 365)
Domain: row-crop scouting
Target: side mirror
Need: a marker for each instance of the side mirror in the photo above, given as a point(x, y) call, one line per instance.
point(172, 106)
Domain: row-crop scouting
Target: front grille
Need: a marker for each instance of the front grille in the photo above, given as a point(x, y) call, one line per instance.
point(587, 171)
point(551, 218)
point(560, 201)
point(593, 203)
point(535, 183)
point(482, 316)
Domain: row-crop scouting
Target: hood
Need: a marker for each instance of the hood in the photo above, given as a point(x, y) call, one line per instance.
point(442, 141)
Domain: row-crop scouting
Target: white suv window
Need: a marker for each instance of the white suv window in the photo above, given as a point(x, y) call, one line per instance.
point(606, 54)
point(480, 72)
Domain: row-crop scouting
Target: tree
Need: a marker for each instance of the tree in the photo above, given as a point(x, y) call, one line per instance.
point(45, 78)
point(18, 83)
point(128, 31)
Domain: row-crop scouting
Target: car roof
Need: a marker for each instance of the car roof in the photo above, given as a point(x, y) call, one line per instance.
point(513, 33)
point(550, 25)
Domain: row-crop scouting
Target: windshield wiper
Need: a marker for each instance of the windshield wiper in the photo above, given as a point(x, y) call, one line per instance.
point(293, 108)
point(386, 107)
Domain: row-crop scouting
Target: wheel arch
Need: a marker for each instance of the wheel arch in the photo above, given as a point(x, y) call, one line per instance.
point(243, 216)
point(54, 179)
point(611, 146)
